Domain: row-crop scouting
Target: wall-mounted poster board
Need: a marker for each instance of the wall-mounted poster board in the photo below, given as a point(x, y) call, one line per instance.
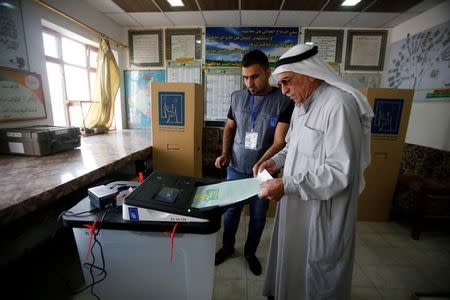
point(13, 47)
point(225, 46)
point(189, 71)
point(138, 94)
point(220, 83)
point(21, 96)
point(365, 50)
point(329, 43)
point(421, 62)
point(145, 48)
point(183, 44)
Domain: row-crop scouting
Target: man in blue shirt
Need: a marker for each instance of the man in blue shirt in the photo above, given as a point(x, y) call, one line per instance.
point(257, 124)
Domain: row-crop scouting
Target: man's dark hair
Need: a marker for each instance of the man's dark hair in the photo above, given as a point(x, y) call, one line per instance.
point(255, 57)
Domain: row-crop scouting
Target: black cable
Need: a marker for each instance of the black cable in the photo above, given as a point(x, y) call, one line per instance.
point(57, 229)
point(92, 266)
point(69, 213)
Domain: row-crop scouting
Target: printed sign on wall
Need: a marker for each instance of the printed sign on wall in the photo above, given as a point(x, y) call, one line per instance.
point(226, 45)
point(21, 96)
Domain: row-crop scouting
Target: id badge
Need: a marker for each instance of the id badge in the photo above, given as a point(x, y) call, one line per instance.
point(251, 140)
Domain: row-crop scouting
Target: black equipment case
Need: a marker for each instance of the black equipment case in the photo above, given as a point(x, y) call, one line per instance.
point(38, 140)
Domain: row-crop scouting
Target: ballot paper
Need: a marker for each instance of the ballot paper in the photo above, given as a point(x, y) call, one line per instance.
point(229, 192)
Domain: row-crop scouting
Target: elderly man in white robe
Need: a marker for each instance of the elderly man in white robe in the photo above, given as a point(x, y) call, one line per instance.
point(313, 241)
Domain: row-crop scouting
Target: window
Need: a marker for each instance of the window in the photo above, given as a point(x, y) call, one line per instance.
point(71, 68)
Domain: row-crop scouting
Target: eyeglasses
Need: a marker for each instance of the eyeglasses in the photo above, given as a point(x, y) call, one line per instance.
point(285, 81)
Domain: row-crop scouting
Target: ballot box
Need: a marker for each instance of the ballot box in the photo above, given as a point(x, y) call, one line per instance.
point(165, 259)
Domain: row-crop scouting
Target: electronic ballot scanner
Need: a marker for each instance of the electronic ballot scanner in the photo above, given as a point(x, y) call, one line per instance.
point(166, 197)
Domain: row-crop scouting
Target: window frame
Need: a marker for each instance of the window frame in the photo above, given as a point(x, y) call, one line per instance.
point(60, 61)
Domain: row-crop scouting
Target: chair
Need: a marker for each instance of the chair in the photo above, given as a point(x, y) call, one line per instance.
point(423, 187)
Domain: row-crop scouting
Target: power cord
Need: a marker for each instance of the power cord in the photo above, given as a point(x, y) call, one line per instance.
point(92, 266)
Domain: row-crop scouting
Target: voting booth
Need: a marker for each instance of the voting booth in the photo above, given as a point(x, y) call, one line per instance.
point(177, 124)
point(391, 109)
point(151, 245)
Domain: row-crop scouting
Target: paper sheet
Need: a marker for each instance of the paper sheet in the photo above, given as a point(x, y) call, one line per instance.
point(229, 192)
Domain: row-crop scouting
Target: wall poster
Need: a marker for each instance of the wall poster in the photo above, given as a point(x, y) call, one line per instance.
point(183, 44)
point(145, 48)
point(21, 96)
point(329, 43)
point(226, 45)
point(138, 97)
point(13, 47)
point(220, 84)
point(422, 62)
point(365, 50)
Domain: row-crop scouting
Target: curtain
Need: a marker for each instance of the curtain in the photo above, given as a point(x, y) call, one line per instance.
point(101, 113)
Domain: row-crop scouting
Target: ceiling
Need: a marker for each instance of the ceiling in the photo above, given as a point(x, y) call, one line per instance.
point(306, 13)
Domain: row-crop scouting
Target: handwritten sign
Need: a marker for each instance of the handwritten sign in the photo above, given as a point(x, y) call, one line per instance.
point(21, 96)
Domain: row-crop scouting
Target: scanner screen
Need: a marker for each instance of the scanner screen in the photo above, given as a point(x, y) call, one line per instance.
point(168, 194)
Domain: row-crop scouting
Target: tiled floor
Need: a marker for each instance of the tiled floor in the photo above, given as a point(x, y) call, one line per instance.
point(388, 264)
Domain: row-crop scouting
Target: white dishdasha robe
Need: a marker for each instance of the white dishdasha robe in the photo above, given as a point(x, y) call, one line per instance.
point(313, 241)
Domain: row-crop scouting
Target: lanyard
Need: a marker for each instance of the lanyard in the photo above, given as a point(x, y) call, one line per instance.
point(258, 109)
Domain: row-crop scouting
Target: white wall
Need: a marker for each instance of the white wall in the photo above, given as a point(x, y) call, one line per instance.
point(33, 13)
point(429, 123)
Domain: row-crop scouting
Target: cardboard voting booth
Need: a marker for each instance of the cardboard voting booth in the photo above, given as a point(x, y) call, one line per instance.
point(177, 123)
point(391, 108)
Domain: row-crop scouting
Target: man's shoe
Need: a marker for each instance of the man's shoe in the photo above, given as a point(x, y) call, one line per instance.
point(222, 255)
point(253, 264)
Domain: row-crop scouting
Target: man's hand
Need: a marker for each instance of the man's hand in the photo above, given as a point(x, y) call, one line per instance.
point(269, 165)
point(222, 161)
point(256, 169)
point(272, 189)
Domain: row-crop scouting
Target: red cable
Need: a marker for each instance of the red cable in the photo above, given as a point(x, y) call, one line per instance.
point(172, 238)
point(91, 234)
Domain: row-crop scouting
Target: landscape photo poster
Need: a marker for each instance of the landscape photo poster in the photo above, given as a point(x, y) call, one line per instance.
point(225, 46)
point(422, 62)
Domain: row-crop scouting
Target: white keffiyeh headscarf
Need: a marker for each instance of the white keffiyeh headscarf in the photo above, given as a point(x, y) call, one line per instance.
point(302, 59)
